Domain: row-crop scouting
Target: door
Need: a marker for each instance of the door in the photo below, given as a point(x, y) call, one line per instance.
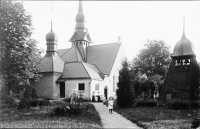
point(106, 92)
point(62, 90)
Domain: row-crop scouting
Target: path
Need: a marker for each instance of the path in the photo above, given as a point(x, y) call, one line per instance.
point(114, 120)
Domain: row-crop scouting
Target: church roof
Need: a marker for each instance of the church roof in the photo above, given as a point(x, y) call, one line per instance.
point(70, 55)
point(80, 36)
point(80, 70)
point(51, 64)
point(183, 48)
point(103, 56)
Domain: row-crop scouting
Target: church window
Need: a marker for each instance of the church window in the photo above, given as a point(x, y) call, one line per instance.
point(80, 43)
point(178, 64)
point(81, 86)
point(186, 63)
point(97, 87)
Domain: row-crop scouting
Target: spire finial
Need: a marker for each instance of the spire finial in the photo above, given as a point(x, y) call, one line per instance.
point(80, 9)
point(51, 17)
point(184, 25)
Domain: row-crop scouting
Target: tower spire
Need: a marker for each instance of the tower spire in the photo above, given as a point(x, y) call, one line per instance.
point(184, 25)
point(80, 9)
point(51, 18)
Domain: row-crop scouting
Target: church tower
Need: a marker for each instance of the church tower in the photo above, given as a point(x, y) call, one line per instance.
point(183, 74)
point(81, 38)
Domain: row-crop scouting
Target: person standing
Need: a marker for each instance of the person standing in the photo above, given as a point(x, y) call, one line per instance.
point(93, 97)
point(73, 98)
point(110, 105)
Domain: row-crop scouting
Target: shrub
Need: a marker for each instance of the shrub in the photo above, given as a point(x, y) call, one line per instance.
point(23, 104)
point(146, 104)
point(195, 104)
point(67, 109)
point(179, 105)
point(196, 123)
point(66, 100)
point(34, 103)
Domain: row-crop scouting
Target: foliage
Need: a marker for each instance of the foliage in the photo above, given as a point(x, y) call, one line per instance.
point(159, 117)
point(196, 122)
point(125, 91)
point(146, 103)
point(67, 109)
point(39, 118)
point(35, 102)
point(23, 104)
point(19, 53)
point(154, 59)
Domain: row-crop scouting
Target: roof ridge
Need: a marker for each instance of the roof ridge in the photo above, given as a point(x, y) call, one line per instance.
point(104, 44)
point(114, 61)
point(86, 70)
point(66, 52)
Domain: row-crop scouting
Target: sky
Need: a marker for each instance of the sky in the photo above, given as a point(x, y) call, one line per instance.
point(133, 21)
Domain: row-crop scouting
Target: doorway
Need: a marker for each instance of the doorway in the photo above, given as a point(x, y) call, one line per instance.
point(106, 92)
point(62, 90)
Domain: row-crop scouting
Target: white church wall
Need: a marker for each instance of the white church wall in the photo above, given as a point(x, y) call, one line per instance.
point(73, 84)
point(56, 86)
point(115, 71)
point(93, 87)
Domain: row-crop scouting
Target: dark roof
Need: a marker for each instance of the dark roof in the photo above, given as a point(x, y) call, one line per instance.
point(75, 70)
point(103, 56)
point(183, 48)
point(51, 64)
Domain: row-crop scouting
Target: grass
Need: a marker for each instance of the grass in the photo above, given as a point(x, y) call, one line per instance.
point(34, 118)
point(159, 117)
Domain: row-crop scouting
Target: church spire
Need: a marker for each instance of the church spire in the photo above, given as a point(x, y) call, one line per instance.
point(184, 25)
point(80, 19)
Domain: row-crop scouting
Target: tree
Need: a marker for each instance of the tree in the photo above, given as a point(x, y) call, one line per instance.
point(19, 53)
point(125, 91)
point(154, 59)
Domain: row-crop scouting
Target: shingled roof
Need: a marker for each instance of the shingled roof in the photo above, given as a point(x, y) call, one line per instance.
point(103, 56)
point(183, 48)
point(51, 64)
point(80, 70)
point(70, 55)
point(80, 36)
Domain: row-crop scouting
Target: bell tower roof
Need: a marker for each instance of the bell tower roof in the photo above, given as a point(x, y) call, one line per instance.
point(183, 47)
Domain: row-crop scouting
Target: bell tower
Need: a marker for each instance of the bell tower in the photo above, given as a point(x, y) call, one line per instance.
point(81, 38)
point(183, 74)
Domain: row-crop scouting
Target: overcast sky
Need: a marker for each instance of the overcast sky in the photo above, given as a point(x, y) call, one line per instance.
point(133, 21)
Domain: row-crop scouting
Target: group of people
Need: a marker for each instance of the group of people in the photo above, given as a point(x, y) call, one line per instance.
point(99, 98)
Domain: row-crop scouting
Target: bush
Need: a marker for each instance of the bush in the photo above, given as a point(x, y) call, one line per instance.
point(195, 104)
point(66, 100)
point(23, 104)
point(196, 123)
point(34, 103)
point(146, 104)
point(67, 109)
point(179, 105)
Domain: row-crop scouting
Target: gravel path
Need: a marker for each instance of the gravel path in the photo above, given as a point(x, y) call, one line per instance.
point(114, 120)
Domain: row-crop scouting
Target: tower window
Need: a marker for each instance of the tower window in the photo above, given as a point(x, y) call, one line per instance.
point(81, 86)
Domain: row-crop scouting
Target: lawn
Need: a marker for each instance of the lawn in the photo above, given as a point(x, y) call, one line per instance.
point(159, 117)
point(40, 118)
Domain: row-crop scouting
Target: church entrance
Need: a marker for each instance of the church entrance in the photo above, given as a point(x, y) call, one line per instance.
point(106, 92)
point(62, 90)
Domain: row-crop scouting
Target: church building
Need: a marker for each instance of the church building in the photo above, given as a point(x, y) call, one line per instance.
point(182, 80)
point(85, 67)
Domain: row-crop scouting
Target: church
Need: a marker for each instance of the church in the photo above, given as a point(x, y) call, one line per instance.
point(85, 67)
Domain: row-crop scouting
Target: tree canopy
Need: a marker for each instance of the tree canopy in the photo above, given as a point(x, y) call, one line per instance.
point(19, 53)
point(153, 59)
point(125, 91)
